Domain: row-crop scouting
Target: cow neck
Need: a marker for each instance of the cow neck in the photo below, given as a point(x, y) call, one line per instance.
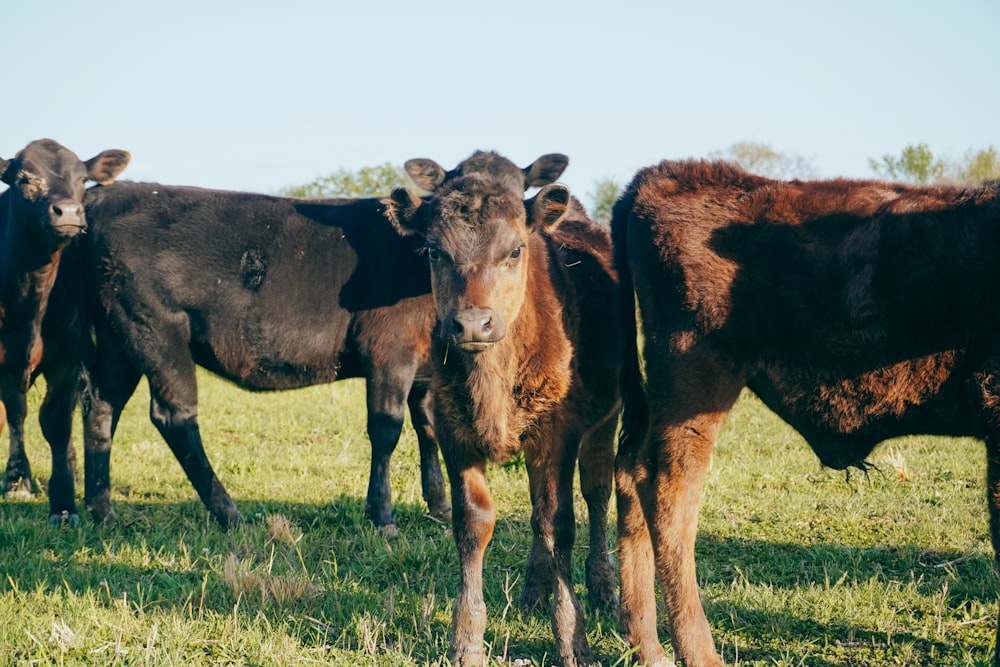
point(500, 394)
point(27, 279)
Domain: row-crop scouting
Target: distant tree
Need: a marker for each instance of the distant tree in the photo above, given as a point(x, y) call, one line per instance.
point(761, 159)
point(979, 166)
point(373, 181)
point(915, 164)
point(603, 197)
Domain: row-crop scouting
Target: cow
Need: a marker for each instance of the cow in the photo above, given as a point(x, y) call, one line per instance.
point(525, 360)
point(855, 310)
point(268, 292)
point(41, 215)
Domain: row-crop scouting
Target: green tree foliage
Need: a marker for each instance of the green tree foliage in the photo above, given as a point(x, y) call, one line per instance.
point(606, 192)
point(761, 159)
point(373, 181)
point(915, 164)
point(980, 166)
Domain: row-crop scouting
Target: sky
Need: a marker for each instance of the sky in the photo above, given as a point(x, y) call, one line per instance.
point(257, 96)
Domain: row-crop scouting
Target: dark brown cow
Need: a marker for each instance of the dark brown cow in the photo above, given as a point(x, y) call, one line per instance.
point(525, 360)
point(856, 310)
point(268, 292)
point(41, 214)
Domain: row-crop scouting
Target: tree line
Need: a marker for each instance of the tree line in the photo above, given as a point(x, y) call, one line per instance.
point(915, 163)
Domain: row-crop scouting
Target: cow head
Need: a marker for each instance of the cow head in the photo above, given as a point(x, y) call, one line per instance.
point(47, 182)
point(477, 232)
point(428, 175)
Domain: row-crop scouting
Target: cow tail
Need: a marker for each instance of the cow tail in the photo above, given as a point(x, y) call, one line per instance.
point(635, 410)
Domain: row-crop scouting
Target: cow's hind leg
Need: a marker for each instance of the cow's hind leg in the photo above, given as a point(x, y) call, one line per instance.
point(550, 473)
point(695, 398)
point(637, 567)
point(173, 410)
point(597, 463)
point(388, 387)
point(993, 501)
point(431, 479)
point(109, 381)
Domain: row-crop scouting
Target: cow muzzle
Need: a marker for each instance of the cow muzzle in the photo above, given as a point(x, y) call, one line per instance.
point(473, 329)
point(66, 218)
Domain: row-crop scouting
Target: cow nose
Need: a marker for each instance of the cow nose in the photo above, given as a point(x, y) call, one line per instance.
point(475, 327)
point(66, 212)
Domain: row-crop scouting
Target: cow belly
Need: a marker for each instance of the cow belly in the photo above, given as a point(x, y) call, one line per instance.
point(274, 357)
point(844, 417)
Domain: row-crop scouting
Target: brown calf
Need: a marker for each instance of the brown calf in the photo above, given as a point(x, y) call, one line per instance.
point(41, 213)
point(856, 310)
point(526, 360)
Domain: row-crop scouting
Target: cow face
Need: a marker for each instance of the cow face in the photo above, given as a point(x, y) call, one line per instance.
point(477, 234)
point(47, 183)
point(428, 175)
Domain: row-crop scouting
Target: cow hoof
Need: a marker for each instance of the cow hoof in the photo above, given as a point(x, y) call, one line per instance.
point(64, 518)
point(388, 530)
point(441, 511)
point(533, 597)
point(19, 490)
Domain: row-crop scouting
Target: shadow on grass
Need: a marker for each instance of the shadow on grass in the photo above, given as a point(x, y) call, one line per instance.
point(170, 557)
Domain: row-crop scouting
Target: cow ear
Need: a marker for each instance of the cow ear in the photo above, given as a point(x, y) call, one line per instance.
point(4, 176)
point(546, 169)
point(548, 207)
point(105, 167)
point(426, 174)
point(402, 207)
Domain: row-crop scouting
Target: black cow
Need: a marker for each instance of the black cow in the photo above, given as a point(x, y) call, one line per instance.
point(41, 214)
point(268, 292)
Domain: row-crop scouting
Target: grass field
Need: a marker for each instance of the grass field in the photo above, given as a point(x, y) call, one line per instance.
point(798, 565)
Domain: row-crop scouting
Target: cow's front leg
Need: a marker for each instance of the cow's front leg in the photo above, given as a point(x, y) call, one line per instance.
point(18, 478)
point(473, 517)
point(550, 474)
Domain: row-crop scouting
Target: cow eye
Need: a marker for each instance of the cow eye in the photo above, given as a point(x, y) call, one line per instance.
point(515, 255)
point(433, 254)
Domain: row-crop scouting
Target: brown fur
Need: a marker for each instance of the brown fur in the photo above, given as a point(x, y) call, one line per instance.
point(542, 387)
point(856, 310)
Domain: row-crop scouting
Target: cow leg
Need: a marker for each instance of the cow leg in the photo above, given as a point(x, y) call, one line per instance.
point(538, 570)
point(19, 481)
point(388, 386)
point(420, 403)
point(637, 569)
point(596, 464)
point(683, 430)
point(473, 519)
point(110, 381)
point(173, 410)
point(550, 473)
point(993, 501)
point(56, 419)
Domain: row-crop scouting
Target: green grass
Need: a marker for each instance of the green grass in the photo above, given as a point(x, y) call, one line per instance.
point(797, 565)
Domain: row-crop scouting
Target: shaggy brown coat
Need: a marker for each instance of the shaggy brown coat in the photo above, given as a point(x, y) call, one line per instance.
point(533, 370)
point(856, 310)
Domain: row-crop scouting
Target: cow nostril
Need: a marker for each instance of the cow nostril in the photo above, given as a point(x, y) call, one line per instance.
point(57, 211)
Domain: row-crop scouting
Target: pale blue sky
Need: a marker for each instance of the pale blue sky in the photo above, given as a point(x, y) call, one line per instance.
point(258, 95)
